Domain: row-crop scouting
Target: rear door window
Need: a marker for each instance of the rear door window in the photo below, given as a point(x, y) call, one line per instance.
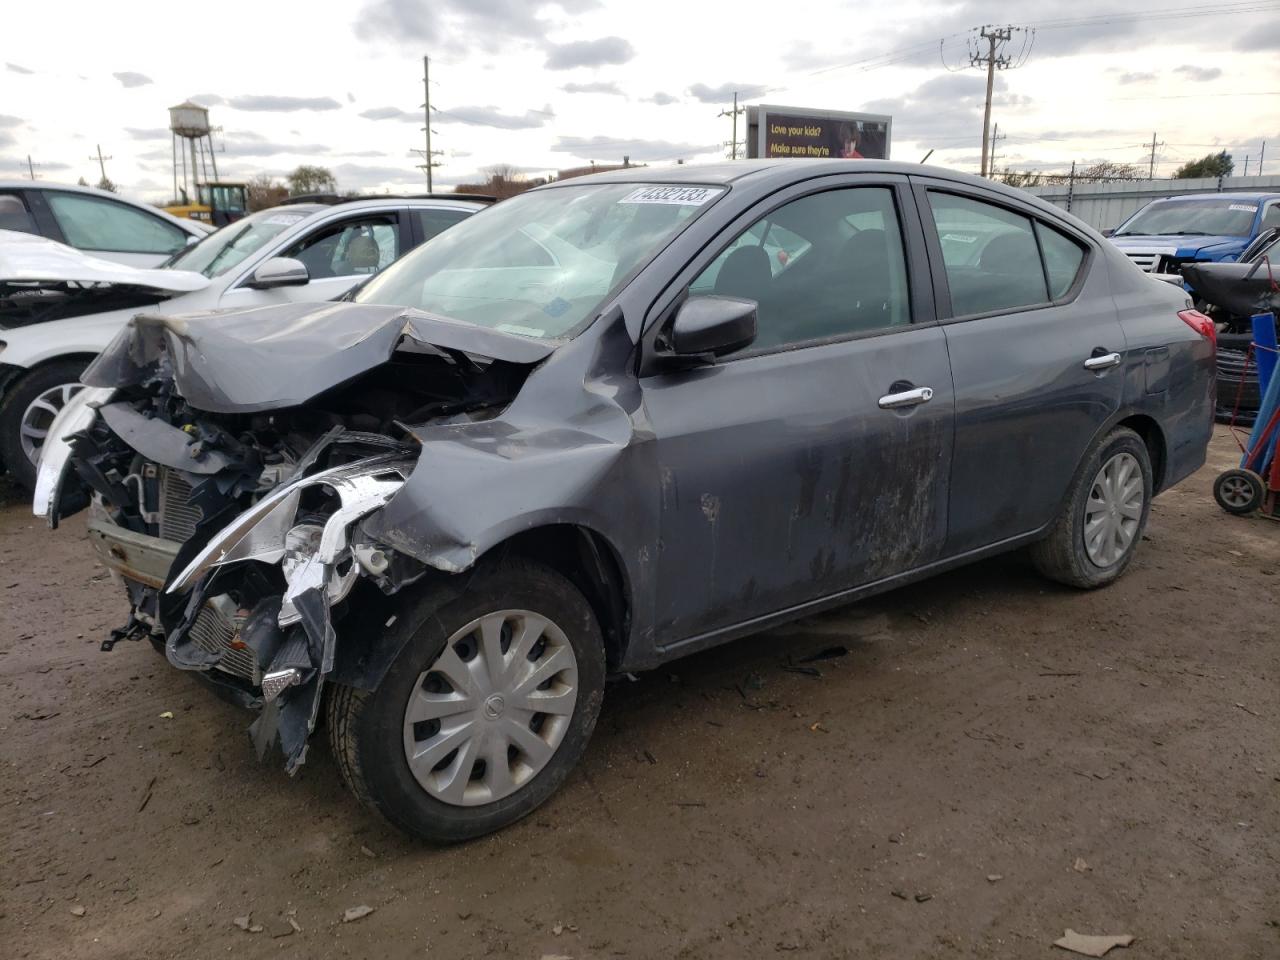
point(990, 255)
point(96, 223)
point(433, 222)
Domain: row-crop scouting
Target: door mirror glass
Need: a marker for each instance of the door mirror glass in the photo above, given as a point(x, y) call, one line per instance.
point(280, 272)
point(713, 326)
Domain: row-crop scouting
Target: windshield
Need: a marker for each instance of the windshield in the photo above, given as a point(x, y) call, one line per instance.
point(1208, 218)
point(539, 264)
point(223, 249)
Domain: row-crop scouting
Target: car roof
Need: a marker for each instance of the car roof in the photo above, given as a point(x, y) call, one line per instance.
point(1225, 195)
point(779, 172)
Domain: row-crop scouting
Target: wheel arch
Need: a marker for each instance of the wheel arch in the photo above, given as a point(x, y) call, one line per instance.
point(1148, 428)
point(591, 563)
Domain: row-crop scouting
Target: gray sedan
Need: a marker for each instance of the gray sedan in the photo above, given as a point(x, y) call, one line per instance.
point(608, 423)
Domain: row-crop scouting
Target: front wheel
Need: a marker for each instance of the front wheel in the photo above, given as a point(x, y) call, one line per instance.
point(485, 711)
point(27, 410)
point(1096, 534)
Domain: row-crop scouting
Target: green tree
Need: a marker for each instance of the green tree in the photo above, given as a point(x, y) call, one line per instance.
point(310, 179)
point(1210, 165)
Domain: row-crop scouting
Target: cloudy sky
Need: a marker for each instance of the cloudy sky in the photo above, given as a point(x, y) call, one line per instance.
point(548, 86)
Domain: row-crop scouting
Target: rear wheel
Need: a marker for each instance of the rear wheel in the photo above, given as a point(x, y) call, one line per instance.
point(485, 711)
point(28, 408)
point(1095, 536)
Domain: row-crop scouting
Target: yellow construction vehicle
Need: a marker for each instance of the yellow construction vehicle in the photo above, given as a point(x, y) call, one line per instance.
point(217, 204)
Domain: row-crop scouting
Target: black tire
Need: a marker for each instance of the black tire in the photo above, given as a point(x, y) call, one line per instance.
point(1062, 556)
point(366, 728)
point(17, 397)
point(1239, 491)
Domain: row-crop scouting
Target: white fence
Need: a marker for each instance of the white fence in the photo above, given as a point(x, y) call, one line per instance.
point(1105, 205)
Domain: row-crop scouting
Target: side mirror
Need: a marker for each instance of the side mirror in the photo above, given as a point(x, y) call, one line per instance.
point(280, 272)
point(712, 326)
point(1109, 231)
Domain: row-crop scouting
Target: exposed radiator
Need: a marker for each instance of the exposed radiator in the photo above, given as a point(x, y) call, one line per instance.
point(178, 517)
point(217, 626)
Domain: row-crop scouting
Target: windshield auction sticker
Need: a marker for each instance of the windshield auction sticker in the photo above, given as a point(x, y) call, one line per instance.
point(684, 196)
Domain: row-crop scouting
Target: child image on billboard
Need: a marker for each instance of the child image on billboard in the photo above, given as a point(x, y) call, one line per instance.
point(824, 137)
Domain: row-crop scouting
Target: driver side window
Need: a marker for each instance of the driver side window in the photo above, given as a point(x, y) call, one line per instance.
point(355, 247)
point(823, 266)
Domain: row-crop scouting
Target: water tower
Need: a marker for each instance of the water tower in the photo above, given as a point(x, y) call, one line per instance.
point(189, 122)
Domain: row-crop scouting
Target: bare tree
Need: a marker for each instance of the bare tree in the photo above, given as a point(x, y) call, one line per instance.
point(265, 191)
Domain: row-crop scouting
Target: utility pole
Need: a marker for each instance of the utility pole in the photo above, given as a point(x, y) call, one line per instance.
point(994, 58)
point(1151, 170)
point(31, 167)
point(995, 137)
point(427, 162)
point(1246, 164)
point(733, 144)
point(102, 162)
point(1262, 156)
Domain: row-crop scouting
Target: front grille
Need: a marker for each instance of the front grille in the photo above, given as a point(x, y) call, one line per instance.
point(178, 517)
point(1147, 262)
point(215, 629)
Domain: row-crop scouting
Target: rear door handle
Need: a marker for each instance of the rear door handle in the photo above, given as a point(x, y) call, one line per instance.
point(907, 398)
point(1103, 362)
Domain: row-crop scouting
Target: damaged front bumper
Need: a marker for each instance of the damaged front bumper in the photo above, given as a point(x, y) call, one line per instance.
point(320, 552)
point(253, 604)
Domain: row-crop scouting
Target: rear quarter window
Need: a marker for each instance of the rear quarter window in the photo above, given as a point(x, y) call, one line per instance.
point(1063, 258)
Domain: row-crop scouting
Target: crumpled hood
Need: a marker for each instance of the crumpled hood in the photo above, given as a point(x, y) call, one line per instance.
point(31, 259)
point(266, 358)
point(1186, 246)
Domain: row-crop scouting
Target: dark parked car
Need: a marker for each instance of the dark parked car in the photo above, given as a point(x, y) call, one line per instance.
point(608, 423)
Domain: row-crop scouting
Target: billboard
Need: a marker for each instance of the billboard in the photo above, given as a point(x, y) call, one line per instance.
point(817, 134)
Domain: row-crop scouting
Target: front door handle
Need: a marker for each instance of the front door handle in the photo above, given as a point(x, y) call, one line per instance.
point(1103, 362)
point(906, 398)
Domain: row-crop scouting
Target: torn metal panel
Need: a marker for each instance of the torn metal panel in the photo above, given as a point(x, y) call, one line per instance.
point(268, 358)
point(1240, 288)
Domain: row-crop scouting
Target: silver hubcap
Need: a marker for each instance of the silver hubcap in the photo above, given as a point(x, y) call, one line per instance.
point(1114, 510)
point(39, 415)
point(1236, 491)
point(488, 715)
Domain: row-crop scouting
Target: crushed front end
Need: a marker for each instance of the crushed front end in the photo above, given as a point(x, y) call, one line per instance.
point(237, 534)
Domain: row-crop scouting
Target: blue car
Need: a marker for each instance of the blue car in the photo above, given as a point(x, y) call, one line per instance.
point(1201, 228)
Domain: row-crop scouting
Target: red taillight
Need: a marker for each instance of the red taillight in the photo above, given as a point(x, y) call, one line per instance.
point(1201, 324)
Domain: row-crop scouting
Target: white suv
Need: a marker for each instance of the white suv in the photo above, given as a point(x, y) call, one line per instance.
point(59, 307)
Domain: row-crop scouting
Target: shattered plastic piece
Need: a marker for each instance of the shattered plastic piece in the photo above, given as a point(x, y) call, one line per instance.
point(353, 914)
point(167, 715)
point(1091, 946)
point(994, 877)
point(1080, 866)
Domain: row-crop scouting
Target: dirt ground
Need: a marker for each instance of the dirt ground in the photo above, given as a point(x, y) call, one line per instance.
point(994, 760)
